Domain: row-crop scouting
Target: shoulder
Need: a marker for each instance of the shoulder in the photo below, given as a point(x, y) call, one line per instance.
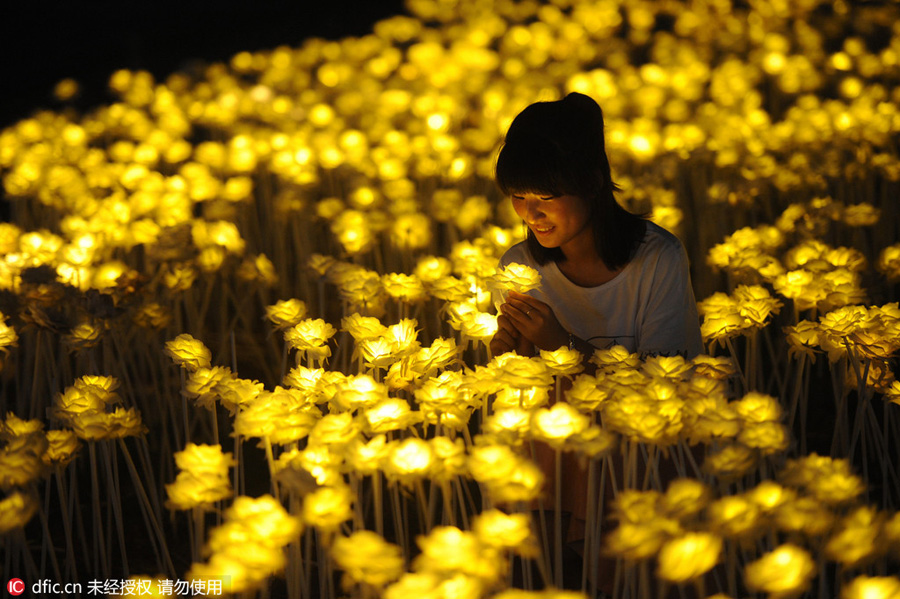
point(661, 245)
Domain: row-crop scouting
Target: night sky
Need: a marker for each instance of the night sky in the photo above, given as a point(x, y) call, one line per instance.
point(43, 41)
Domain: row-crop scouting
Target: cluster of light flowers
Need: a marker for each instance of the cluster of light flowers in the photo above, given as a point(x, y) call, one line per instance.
point(815, 504)
point(27, 452)
point(359, 170)
point(812, 274)
point(249, 546)
point(89, 407)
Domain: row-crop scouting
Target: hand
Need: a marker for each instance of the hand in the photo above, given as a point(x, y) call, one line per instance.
point(507, 338)
point(534, 320)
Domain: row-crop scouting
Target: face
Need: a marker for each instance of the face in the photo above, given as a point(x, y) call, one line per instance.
point(556, 221)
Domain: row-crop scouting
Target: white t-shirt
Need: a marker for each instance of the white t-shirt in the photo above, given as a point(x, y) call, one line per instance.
point(649, 307)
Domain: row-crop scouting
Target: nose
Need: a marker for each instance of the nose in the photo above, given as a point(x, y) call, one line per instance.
point(533, 210)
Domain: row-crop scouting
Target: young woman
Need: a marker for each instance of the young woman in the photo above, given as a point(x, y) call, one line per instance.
point(609, 277)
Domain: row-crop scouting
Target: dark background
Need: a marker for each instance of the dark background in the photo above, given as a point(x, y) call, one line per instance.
point(44, 41)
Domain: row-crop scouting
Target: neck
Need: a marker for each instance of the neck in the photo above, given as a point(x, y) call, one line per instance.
point(581, 251)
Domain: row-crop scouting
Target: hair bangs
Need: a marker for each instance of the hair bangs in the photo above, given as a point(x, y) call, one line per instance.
point(525, 167)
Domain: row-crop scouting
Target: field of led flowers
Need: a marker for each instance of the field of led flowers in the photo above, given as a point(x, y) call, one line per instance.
point(245, 314)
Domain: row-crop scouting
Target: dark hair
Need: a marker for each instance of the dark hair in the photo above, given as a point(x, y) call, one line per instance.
point(558, 148)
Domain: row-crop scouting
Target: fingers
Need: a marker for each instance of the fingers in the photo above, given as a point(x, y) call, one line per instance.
point(523, 308)
point(502, 342)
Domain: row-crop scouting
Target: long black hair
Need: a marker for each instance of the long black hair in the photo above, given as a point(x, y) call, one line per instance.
point(557, 148)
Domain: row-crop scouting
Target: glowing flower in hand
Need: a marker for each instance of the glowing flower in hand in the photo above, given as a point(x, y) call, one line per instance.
point(517, 277)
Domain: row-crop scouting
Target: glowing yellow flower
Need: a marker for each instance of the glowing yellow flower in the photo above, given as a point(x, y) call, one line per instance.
point(362, 327)
point(202, 384)
point(449, 458)
point(593, 442)
point(235, 392)
point(688, 556)
point(480, 326)
point(180, 277)
point(430, 269)
point(635, 541)
point(556, 424)
point(440, 354)
point(513, 532)
point(282, 416)
point(857, 538)
point(327, 508)
point(409, 461)
point(872, 587)
point(784, 572)
point(723, 324)
point(516, 277)
point(829, 480)
point(449, 550)
point(61, 447)
point(768, 437)
point(389, 415)
point(286, 313)
point(359, 391)
point(511, 425)
point(670, 367)
point(309, 337)
point(20, 460)
point(236, 575)
point(730, 462)
point(189, 353)
point(403, 337)
point(203, 479)
point(366, 558)
point(507, 476)
point(585, 394)
point(770, 496)
point(804, 514)
point(363, 291)
point(408, 289)
point(411, 231)
point(803, 338)
point(352, 230)
point(684, 497)
point(801, 286)
point(334, 429)
point(615, 358)
point(152, 315)
point(734, 516)
point(889, 262)
point(563, 361)
point(365, 457)
point(528, 399)
point(521, 372)
point(13, 427)
point(717, 368)
point(16, 511)
point(8, 336)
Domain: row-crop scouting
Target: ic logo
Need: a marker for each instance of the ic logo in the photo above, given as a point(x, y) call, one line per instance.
point(15, 586)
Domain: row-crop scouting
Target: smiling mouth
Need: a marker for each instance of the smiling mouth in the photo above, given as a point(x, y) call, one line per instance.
point(542, 230)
